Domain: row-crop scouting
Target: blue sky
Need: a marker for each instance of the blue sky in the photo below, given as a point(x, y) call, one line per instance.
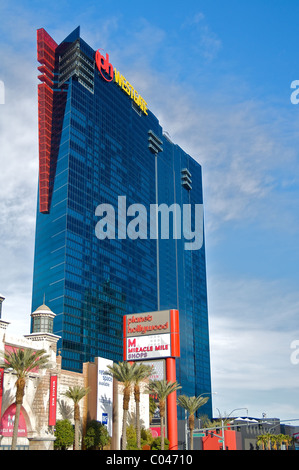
point(218, 76)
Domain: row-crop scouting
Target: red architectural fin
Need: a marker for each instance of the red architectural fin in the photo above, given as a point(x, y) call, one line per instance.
point(46, 47)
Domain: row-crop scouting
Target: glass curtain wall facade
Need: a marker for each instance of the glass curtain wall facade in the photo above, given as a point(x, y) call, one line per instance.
point(96, 145)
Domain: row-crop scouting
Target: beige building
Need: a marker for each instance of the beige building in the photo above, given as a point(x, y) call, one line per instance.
point(35, 433)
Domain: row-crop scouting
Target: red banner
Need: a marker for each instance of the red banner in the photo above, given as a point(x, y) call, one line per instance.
point(53, 400)
point(1, 388)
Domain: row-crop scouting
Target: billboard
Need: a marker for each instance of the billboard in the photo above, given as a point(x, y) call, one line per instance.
point(148, 347)
point(151, 335)
point(150, 323)
point(105, 394)
point(7, 422)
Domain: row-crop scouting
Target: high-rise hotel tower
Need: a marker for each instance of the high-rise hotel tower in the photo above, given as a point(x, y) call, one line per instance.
point(104, 161)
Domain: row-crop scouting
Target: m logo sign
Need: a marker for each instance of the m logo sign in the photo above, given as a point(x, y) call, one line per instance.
point(132, 343)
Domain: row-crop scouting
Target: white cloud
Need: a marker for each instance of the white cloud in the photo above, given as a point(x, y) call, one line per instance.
point(205, 43)
point(243, 158)
point(252, 326)
point(19, 173)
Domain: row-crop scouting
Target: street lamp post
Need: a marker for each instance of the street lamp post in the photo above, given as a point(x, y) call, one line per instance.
point(222, 422)
point(186, 431)
point(223, 435)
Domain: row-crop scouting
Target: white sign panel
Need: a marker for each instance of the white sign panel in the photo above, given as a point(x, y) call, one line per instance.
point(148, 347)
point(158, 369)
point(105, 394)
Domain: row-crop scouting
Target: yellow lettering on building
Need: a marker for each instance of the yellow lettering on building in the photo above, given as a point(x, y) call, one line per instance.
point(130, 91)
point(118, 78)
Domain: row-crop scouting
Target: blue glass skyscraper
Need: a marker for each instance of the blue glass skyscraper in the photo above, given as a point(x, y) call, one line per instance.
point(100, 144)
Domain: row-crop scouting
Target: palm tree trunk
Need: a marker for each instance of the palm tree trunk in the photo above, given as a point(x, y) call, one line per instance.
point(77, 425)
point(162, 432)
point(162, 414)
point(16, 427)
point(126, 401)
point(137, 400)
point(76, 435)
point(20, 384)
point(191, 427)
point(124, 431)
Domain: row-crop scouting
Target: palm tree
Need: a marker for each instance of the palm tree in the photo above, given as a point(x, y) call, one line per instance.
point(76, 394)
point(265, 440)
point(274, 440)
point(23, 361)
point(260, 440)
point(141, 372)
point(288, 440)
point(162, 389)
point(124, 373)
point(191, 404)
point(280, 438)
point(152, 408)
point(268, 436)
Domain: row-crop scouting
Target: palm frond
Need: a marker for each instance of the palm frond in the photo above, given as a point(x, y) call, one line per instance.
point(123, 372)
point(192, 404)
point(142, 372)
point(163, 388)
point(23, 361)
point(76, 393)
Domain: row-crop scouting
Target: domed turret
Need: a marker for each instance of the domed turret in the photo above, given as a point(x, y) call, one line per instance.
point(42, 320)
point(42, 326)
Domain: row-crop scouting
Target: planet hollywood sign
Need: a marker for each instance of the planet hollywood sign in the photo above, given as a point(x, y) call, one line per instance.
point(151, 335)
